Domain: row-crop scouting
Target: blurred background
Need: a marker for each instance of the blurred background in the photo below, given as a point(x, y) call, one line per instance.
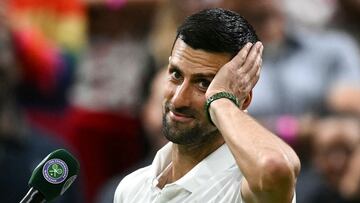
point(87, 75)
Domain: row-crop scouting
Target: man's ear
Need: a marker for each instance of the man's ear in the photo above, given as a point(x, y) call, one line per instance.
point(247, 101)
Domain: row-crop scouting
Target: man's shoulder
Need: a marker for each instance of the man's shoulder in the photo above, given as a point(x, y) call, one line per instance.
point(132, 181)
point(137, 176)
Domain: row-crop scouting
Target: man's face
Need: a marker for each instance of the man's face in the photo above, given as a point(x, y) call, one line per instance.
point(189, 74)
point(334, 144)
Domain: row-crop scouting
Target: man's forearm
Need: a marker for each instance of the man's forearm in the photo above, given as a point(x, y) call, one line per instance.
point(262, 157)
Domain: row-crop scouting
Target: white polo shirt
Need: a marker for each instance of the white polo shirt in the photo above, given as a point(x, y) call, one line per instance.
point(216, 179)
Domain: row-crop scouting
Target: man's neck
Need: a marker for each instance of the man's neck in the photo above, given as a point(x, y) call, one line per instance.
point(184, 158)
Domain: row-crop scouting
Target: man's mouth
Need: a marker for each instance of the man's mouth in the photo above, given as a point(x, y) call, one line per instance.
point(180, 117)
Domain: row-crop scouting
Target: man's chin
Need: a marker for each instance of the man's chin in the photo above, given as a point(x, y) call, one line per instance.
point(177, 133)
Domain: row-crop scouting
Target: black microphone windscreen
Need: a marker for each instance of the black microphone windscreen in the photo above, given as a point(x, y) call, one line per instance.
point(55, 173)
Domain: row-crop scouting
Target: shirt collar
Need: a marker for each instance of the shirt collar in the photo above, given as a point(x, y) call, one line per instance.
point(162, 160)
point(218, 161)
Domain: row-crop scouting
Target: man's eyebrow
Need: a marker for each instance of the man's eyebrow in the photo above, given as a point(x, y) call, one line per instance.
point(204, 75)
point(174, 68)
point(195, 76)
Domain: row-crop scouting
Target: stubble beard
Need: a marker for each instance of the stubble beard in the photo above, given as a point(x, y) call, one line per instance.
point(182, 134)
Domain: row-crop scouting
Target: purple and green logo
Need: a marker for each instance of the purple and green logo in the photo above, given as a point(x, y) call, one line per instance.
point(55, 171)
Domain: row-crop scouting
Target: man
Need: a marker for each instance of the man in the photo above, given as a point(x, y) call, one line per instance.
point(333, 175)
point(219, 154)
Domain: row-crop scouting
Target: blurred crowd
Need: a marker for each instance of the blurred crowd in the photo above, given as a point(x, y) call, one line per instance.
point(87, 75)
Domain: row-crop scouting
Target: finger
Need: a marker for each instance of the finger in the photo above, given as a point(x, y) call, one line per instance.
point(255, 51)
point(240, 57)
point(254, 80)
point(254, 71)
point(260, 68)
point(254, 74)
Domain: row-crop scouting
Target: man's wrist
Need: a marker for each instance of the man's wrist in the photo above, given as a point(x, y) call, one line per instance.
point(220, 95)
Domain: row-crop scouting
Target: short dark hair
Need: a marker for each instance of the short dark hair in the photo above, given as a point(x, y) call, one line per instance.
point(216, 30)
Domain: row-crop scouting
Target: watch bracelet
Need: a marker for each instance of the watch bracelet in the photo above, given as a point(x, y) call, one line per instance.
point(217, 96)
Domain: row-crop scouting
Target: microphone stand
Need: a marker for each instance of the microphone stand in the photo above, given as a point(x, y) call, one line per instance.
point(33, 196)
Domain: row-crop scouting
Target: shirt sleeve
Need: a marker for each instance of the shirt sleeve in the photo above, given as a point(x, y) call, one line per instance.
point(294, 198)
point(118, 197)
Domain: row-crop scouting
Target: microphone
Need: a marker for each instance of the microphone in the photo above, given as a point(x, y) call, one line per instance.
point(52, 177)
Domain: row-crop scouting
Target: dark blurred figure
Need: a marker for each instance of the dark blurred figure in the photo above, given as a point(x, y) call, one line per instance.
point(151, 114)
point(334, 173)
point(21, 146)
point(103, 121)
point(151, 121)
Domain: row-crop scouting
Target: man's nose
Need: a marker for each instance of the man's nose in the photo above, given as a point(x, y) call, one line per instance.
point(182, 96)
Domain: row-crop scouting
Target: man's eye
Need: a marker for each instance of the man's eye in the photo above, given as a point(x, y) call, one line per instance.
point(204, 84)
point(176, 75)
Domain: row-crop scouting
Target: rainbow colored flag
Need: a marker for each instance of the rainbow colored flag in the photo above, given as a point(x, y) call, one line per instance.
point(49, 36)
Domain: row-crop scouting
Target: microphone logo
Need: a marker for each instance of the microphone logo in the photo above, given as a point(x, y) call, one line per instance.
point(55, 171)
